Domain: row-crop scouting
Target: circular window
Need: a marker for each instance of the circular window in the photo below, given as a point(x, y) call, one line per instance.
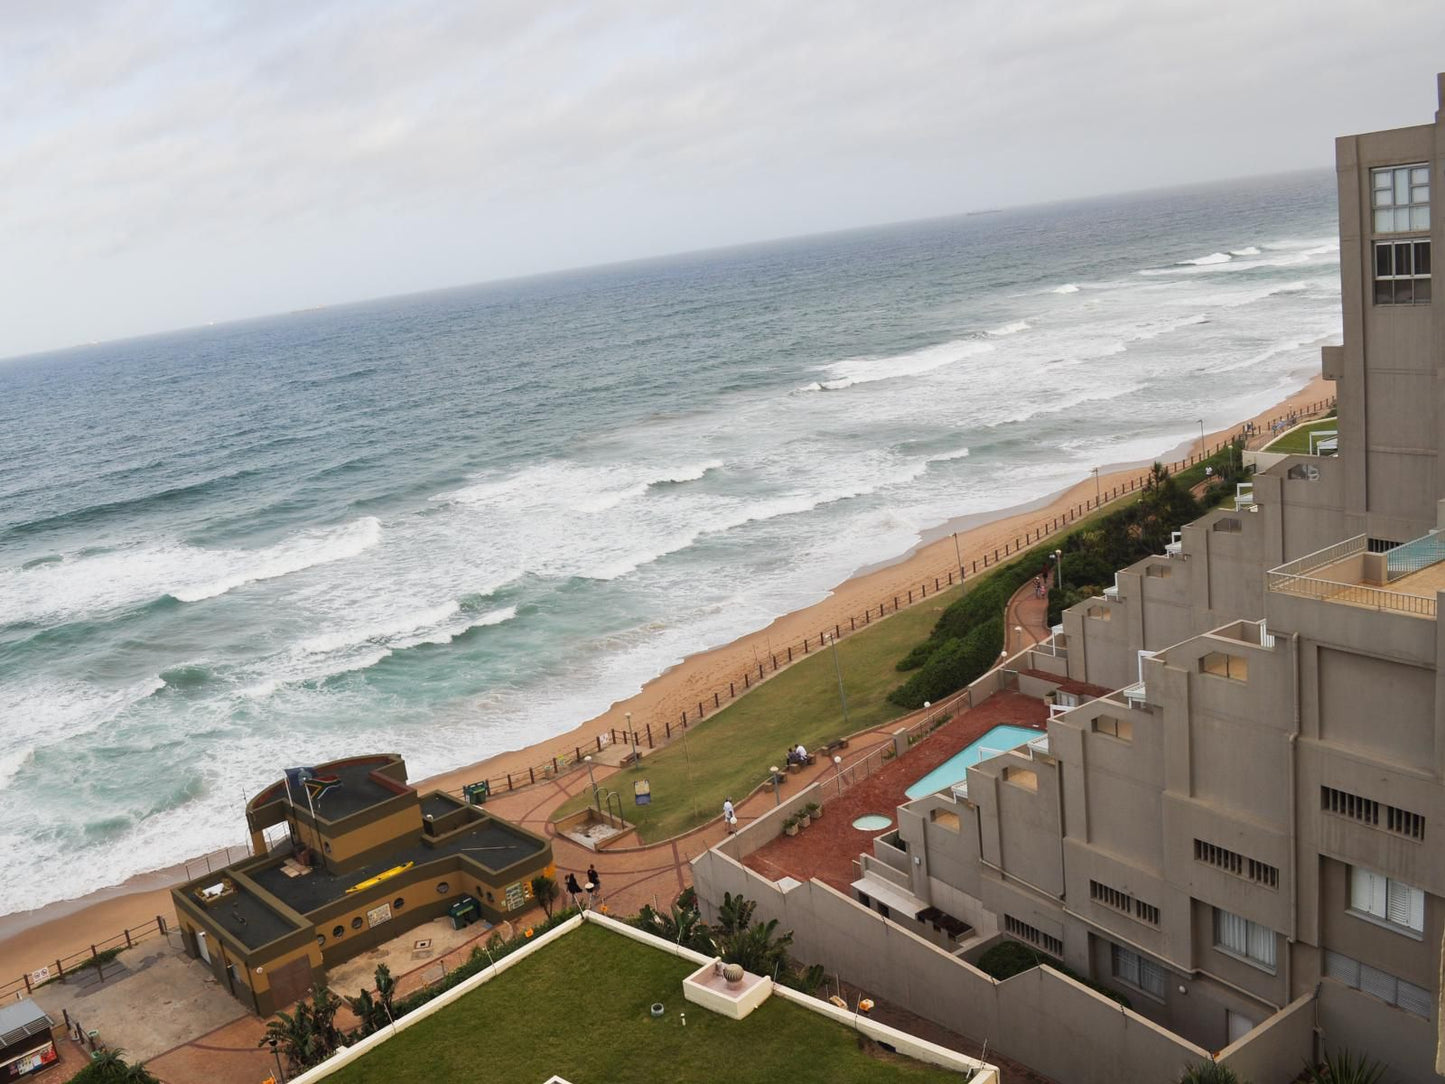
point(356, 923)
point(398, 903)
point(337, 931)
point(443, 888)
point(321, 939)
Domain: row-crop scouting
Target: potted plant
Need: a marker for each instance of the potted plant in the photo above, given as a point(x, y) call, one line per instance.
point(814, 810)
point(803, 819)
point(790, 826)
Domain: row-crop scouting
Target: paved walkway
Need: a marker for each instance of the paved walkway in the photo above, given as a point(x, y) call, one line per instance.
point(1026, 617)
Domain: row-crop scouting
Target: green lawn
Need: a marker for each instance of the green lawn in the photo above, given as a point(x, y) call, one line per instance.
point(579, 1008)
point(1297, 441)
point(729, 753)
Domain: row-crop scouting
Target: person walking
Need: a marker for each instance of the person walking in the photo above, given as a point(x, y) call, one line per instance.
point(730, 816)
point(594, 882)
point(573, 888)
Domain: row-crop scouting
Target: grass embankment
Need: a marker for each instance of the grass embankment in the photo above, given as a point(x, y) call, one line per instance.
point(729, 753)
point(579, 1009)
point(1297, 441)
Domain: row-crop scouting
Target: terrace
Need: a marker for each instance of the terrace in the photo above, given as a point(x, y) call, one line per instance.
point(1402, 580)
point(626, 1018)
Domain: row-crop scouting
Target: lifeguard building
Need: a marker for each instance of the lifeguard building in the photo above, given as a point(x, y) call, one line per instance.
point(364, 859)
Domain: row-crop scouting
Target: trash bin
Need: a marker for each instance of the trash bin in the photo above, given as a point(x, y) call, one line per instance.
point(464, 912)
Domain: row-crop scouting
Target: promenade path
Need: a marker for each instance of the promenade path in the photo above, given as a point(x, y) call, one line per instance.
point(1026, 617)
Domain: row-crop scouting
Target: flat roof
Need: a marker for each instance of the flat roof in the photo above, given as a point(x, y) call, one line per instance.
point(246, 918)
point(22, 1020)
point(356, 791)
point(490, 843)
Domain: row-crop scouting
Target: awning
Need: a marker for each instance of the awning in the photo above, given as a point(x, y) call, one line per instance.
point(890, 895)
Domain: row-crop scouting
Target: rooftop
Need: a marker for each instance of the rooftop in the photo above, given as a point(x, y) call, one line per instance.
point(490, 843)
point(247, 919)
point(606, 1031)
point(360, 788)
point(1402, 580)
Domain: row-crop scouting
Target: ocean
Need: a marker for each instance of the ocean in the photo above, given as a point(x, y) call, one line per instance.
point(451, 524)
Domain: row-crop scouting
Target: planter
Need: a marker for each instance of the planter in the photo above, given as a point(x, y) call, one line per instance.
point(790, 829)
point(804, 821)
point(657, 1009)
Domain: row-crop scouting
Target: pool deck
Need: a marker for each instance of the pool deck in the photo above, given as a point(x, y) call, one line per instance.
point(829, 848)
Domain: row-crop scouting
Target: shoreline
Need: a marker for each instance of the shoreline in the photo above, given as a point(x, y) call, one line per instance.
point(30, 938)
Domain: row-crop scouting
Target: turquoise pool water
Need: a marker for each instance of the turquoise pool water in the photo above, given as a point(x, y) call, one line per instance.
point(951, 771)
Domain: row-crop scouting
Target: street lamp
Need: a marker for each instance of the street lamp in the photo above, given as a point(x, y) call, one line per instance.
point(280, 1073)
point(1098, 497)
point(1059, 570)
point(838, 764)
point(1201, 438)
point(628, 716)
point(958, 554)
point(838, 669)
point(777, 790)
point(591, 780)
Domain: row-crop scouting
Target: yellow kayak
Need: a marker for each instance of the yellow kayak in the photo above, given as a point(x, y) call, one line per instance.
point(372, 882)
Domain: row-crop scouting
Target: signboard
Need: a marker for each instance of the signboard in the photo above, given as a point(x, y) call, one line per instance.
point(516, 896)
point(377, 915)
point(38, 977)
point(642, 792)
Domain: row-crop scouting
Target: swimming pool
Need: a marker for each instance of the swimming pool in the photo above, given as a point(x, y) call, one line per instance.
point(955, 768)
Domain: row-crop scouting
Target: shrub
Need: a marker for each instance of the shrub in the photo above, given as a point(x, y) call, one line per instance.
point(951, 667)
point(1009, 958)
point(1210, 1072)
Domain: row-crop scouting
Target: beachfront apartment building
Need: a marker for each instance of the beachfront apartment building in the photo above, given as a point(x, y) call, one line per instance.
point(363, 858)
point(1254, 816)
point(1241, 831)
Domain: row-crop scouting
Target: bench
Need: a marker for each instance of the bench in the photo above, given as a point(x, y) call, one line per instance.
point(630, 758)
point(833, 746)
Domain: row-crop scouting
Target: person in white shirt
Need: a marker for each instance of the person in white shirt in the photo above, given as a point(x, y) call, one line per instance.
point(730, 817)
point(801, 754)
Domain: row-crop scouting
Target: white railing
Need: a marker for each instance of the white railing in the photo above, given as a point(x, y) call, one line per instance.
point(1352, 594)
point(1330, 555)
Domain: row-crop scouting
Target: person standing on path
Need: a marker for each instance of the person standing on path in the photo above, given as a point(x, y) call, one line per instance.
point(730, 816)
point(573, 888)
point(594, 882)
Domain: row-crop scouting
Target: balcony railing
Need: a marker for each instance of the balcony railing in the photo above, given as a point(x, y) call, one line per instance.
point(1414, 556)
point(1353, 594)
point(1330, 555)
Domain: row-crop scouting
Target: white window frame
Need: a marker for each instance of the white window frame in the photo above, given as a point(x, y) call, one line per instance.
point(1237, 936)
point(1139, 971)
point(1400, 198)
point(1390, 903)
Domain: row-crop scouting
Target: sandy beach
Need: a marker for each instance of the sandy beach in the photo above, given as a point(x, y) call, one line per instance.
point(30, 939)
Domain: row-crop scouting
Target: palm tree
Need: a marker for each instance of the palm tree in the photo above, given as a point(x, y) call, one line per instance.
point(735, 914)
point(1209, 1072)
point(1342, 1067)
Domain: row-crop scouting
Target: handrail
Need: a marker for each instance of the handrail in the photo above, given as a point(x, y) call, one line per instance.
point(1321, 558)
point(1352, 594)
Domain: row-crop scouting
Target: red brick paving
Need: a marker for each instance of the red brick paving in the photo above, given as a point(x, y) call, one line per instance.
point(829, 848)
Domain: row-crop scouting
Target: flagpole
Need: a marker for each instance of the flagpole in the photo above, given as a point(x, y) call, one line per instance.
point(290, 824)
point(315, 828)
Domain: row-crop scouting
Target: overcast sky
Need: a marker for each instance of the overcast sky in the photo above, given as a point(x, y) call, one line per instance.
point(167, 164)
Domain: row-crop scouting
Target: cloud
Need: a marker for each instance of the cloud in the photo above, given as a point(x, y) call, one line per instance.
point(178, 161)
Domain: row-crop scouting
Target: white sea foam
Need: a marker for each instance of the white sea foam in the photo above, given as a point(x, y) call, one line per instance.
point(1066, 288)
point(1011, 328)
point(1247, 250)
point(1212, 258)
point(947, 457)
point(868, 370)
point(307, 550)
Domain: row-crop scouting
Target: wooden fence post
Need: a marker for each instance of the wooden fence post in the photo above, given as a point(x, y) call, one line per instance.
point(649, 729)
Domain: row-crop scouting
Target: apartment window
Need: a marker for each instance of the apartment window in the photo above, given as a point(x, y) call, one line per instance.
point(1228, 525)
point(1303, 472)
point(1234, 667)
point(1388, 900)
point(1251, 869)
point(1240, 937)
point(1122, 729)
point(1146, 912)
point(1402, 272)
point(1099, 613)
point(1123, 902)
point(1134, 969)
point(1022, 777)
point(1400, 198)
point(1033, 935)
point(1380, 984)
point(1367, 811)
point(1159, 572)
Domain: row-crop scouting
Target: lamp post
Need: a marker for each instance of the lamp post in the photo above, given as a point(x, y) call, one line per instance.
point(591, 780)
point(838, 764)
point(777, 789)
point(1201, 438)
point(838, 669)
point(958, 554)
point(276, 1053)
point(1059, 570)
point(1098, 497)
point(628, 716)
